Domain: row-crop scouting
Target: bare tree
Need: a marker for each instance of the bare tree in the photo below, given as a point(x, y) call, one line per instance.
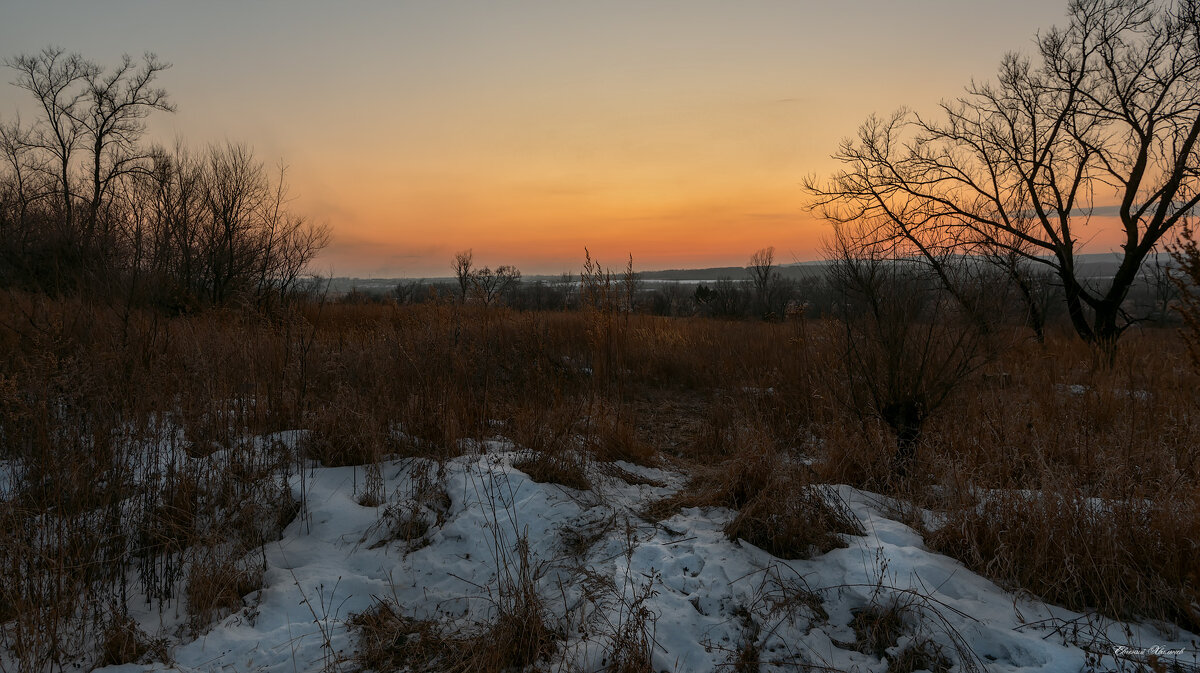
point(462, 271)
point(762, 275)
point(174, 185)
point(23, 186)
point(114, 105)
point(488, 285)
point(82, 201)
point(221, 230)
point(1105, 118)
point(52, 76)
point(26, 170)
point(86, 109)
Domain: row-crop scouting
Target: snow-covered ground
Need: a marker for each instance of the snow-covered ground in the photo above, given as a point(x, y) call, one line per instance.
point(594, 558)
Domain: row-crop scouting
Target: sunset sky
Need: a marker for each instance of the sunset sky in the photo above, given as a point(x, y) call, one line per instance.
point(526, 130)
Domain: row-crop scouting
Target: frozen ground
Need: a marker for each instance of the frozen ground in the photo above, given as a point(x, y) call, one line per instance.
point(594, 559)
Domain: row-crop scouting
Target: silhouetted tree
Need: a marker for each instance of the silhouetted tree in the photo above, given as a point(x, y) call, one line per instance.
point(114, 105)
point(52, 76)
point(463, 271)
point(84, 206)
point(85, 107)
point(724, 299)
point(488, 286)
point(763, 276)
point(1111, 102)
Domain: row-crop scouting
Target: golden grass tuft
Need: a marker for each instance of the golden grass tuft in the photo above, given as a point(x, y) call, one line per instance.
point(566, 468)
point(1126, 559)
point(215, 586)
point(122, 641)
point(779, 508)
point(516, 639)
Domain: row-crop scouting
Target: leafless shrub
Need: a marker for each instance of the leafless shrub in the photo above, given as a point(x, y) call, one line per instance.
point(907, 343)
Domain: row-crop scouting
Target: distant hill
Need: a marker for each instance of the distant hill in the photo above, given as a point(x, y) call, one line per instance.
point(732, 272)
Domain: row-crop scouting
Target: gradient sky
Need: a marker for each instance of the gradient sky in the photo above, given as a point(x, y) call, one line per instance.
point(525, 130)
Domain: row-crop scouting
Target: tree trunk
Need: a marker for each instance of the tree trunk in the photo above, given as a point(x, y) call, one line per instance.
point(905, 418)
point(906, 452)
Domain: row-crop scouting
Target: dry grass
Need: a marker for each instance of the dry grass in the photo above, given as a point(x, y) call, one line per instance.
point(566, 468)
point(919, 655)
point(390, 641)
point(877, 627)
point(748, 656)
point(1126, 559)
point(130, 440)
point(516, 637)
point(418, 506)
point(216, 585)
point(345, 433)
point(1076, 482)
point(779, 508)
point(122, 641)
point(612, 436)
point(802, 521)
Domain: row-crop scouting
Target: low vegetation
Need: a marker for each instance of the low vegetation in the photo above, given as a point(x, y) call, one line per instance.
point(169, 382)
point(1047, 471)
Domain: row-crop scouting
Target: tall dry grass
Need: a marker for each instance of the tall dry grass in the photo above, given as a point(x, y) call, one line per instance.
point(138, 445)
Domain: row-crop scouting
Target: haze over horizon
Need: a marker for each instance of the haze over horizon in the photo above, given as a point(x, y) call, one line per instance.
point(678, 132)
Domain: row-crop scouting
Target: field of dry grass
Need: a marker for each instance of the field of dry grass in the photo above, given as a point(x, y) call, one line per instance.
point(145, 456)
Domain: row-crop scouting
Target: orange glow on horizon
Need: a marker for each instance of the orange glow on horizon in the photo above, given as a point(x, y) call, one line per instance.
point(676, 131)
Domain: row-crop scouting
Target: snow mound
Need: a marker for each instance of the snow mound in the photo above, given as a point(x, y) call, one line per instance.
point(704, 600)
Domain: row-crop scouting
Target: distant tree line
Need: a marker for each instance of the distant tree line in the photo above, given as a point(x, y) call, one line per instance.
point(766, 294)
point(86, 207)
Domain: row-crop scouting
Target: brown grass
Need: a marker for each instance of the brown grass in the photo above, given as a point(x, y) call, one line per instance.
point(779, 508)
point(516, 638)
point(122, 641)
point(919, 655)
point(390, 641)
point(216, 586)
point(567, 468)
point(877, 628)
point(1125, 559)
point(130, 435)
point(420, 504)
